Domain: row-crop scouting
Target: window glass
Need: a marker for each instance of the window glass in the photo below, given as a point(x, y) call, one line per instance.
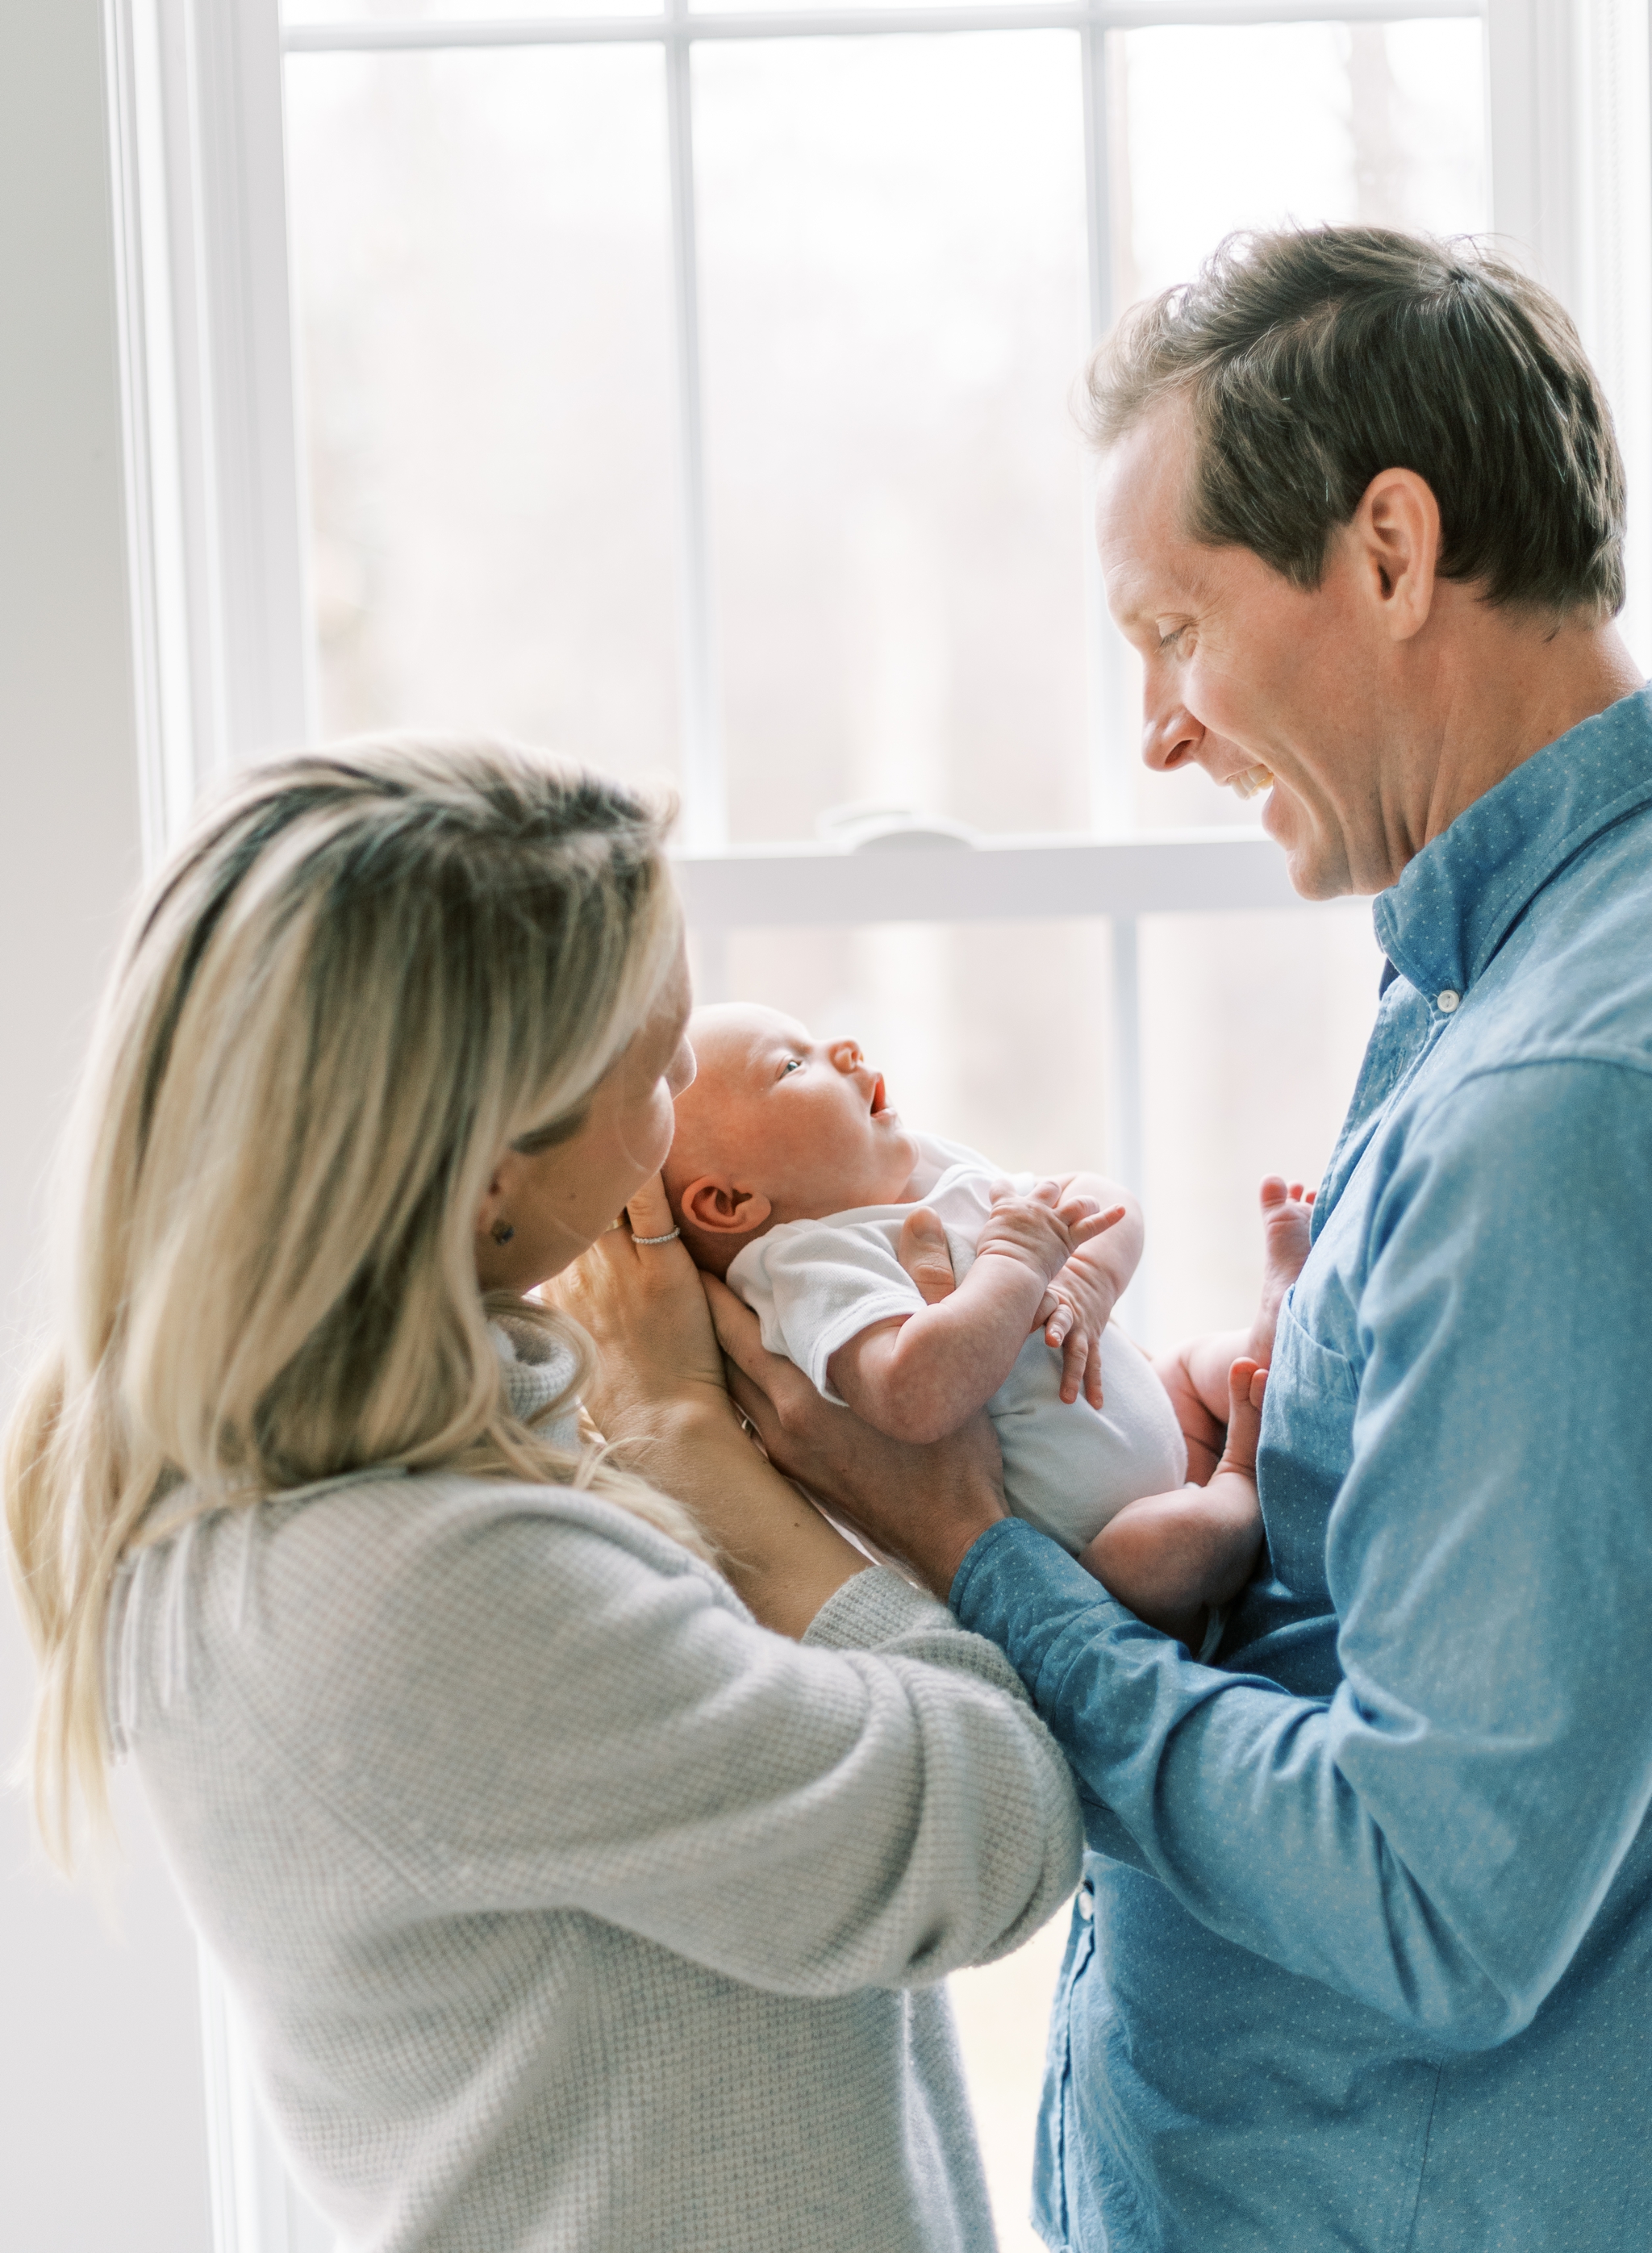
point(297, 13)
point(893, 263)
point(482, 254)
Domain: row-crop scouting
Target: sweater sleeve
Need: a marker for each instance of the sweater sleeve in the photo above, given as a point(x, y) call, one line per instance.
point(538, 1703)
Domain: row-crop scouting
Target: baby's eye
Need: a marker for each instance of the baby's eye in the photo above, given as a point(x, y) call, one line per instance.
point(791, 1064)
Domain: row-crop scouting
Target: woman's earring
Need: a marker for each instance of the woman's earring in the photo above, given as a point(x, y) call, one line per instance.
point(503, 1232)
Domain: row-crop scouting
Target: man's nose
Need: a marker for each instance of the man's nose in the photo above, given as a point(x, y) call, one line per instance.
point(1170, 736)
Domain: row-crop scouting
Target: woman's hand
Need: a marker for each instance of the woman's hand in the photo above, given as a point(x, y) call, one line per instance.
point(660, 1389)
point(924, 1505)
point(644, 1307)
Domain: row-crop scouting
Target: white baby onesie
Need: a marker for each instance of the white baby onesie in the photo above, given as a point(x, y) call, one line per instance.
point(1068, 1466)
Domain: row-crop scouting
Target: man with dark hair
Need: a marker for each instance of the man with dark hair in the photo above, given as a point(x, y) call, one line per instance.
point(1361, 1959)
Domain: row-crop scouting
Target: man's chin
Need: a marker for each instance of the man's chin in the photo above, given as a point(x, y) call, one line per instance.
point(1315, 872)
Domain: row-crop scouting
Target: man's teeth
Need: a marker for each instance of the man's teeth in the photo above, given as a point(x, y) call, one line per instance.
point(1251, 783)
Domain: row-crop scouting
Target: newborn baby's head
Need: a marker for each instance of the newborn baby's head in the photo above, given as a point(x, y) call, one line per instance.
point(777, 1126)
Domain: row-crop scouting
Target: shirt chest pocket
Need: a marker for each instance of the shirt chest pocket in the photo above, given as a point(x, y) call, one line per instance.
point(1307, 1445)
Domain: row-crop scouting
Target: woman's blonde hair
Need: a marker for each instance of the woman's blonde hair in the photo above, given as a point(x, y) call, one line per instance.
point(365, 975)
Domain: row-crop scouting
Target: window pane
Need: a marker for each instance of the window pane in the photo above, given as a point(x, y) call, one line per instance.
point(481, 251)
point(1381, 123)
point(892, 251)
point(453, 11)
point(1252, 1028)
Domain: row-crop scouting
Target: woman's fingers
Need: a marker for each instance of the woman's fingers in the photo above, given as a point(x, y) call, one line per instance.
point(649, 1213)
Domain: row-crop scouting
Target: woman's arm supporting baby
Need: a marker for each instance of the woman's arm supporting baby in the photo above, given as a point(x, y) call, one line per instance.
point(919, 1376)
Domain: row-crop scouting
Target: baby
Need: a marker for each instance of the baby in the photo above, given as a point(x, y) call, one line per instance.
point(790, 1177)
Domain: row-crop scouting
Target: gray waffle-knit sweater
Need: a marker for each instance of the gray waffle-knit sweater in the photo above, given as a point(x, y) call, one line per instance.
point(571, 1911)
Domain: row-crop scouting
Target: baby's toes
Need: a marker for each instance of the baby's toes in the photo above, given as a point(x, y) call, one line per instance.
point(1287, 1234)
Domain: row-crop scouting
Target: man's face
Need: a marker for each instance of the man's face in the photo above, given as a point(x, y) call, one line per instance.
point(1245, 676)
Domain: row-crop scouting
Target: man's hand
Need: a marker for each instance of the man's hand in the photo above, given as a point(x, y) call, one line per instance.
point(926, 1505)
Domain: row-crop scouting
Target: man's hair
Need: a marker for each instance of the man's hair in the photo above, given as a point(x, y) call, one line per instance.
point(1314, 359)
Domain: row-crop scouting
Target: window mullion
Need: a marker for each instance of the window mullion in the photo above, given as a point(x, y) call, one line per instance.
point(704, 788)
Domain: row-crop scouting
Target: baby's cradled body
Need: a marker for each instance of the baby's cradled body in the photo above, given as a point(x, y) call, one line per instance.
point(1068, 1467)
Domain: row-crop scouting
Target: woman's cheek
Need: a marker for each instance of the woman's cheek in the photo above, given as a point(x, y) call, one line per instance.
point(655, 1145)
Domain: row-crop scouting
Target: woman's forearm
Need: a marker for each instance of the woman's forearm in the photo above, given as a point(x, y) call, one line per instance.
point(777, 1551)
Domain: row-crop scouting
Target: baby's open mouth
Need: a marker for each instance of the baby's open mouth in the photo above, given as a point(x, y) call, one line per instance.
point(879, 1101)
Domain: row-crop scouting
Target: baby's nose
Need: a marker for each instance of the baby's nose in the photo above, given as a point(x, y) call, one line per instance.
point(846, 1056)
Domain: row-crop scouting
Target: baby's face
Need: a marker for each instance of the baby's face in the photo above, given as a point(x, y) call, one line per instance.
point(779, 1126)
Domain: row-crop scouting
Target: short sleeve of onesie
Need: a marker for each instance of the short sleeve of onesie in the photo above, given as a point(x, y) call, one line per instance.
point(813, 1285)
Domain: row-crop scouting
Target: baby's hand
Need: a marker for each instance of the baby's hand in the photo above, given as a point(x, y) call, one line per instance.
point(1038, 1231)
point(1077, 1308)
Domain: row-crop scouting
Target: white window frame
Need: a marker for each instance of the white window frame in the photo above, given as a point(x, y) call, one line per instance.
point(222, 639)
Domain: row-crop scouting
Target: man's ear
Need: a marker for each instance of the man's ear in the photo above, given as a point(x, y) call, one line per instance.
point(723, 1210)
point(1396, 533)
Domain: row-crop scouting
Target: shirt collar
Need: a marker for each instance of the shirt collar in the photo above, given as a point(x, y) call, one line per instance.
point(1458, 898)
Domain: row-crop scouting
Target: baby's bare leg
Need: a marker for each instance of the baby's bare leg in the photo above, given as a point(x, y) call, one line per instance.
point(1170, 1557)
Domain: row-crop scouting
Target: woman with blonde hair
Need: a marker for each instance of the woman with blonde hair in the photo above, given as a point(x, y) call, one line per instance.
point(584, 1830)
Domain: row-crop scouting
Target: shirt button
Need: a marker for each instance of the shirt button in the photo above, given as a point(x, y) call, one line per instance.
point(1446, 1000)
point(1086, 1903)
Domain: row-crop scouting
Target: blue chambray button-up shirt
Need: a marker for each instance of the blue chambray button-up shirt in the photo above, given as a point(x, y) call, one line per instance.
point(1364, 1957)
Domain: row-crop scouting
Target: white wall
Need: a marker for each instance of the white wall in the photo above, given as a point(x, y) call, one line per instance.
point(102, 2138)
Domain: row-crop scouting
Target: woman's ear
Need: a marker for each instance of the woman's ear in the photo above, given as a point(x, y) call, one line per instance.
point(723, 1210)
point(498, 1190)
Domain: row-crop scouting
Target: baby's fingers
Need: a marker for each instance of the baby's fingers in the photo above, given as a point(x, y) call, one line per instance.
point(1086, 1231)
point(1058, 1319)
point(1074, 1356)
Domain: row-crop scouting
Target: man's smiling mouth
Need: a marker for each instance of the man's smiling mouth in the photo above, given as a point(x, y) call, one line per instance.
point(1251, 783)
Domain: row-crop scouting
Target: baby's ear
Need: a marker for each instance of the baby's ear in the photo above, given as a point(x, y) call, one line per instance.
point(723, 1210)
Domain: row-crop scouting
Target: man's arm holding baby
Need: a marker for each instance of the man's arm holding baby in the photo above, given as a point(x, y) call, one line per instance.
point(919, 1377)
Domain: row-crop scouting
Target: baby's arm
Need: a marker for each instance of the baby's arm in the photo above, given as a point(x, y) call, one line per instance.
point(919, 1376)
point(1170, 1557)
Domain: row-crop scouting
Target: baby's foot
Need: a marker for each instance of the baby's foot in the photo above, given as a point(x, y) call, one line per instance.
point(1247, 1384)
point(1287, 1212)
